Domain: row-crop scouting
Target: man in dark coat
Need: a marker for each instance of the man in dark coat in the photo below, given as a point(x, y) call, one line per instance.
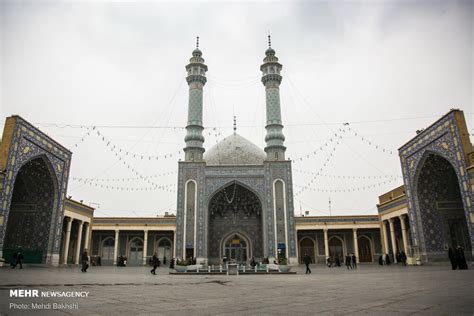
point(85, 261)
point(307, 261)
point(403, 257)
point(155, 262)
point(348, 262)
point(388, 261)
point(172, 263)
point(460, 258)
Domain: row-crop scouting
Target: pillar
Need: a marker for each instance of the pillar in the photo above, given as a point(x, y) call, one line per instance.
point(392, 237)
point(404, 233)
point(385, 238)
point(79, 240)
point(326, 243)
point(356, 244)
point(116, 246)
point(68, 238)
point(145, 245)
point(86, 238)
point(174, 244)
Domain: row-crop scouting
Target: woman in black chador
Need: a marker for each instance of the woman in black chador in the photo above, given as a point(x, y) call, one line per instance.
point(452, 258)
point(155, 262)
point(460, 258)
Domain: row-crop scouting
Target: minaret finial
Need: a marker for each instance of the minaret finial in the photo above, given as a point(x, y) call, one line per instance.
point(197, 41)
point(269, 41)
point(235, 124)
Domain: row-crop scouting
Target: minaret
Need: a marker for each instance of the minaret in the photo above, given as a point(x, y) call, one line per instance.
point(196, 80)
point(271, 79)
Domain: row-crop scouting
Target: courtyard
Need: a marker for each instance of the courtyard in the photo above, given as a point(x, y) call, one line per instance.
point(371, 289)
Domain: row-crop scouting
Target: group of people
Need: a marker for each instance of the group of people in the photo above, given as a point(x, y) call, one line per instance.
point(351, 261)
point(401, 257)
point(384, 259)
point(457, 258)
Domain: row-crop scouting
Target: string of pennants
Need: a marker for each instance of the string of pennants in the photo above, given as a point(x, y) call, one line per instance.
point(333, 176)
point(362, 188)
point(165, 187)
point(158, 175)
point(369, 142)
point(318, 173)
point(109, 143)
point(335, 138)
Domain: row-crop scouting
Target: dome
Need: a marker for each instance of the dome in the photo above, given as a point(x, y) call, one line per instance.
point(197, 52)
point(270, 52)
point(234, 150)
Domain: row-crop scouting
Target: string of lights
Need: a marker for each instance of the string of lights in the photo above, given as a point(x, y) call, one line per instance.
point(346, 190)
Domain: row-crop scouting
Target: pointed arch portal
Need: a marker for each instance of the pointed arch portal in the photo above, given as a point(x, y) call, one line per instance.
point(235, 208)
point(31, 209)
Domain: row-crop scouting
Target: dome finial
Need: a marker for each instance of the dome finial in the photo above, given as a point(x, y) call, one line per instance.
point(235, 124)
point(197, 41)
point(269, 41)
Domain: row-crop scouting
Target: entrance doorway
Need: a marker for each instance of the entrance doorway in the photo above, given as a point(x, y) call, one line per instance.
point(307, 247)
point(336, 249)
point(107, 257)
point(236, 249)
point(135, 257)
point(365, 249)
point(164, 249)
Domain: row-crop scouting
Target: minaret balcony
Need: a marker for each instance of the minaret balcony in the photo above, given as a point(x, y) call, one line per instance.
point(196, 78)
point(271, 77)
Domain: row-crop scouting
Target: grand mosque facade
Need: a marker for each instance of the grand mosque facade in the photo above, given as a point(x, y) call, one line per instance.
point(235, 200)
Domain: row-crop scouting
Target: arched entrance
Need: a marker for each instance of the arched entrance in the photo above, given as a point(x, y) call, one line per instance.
point(107, 256)
point(236, 248)
point(163, 249)
point(235, 208)
point(135, 253)
point(32, 206)
point(441, 211)
point(365, 249)
point(307, 247)
point(336, 247)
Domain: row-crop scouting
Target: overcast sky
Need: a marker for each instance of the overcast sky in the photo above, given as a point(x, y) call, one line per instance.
point(388, 68)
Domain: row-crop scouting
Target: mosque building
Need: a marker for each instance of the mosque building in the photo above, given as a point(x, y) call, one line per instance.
point(235, 200)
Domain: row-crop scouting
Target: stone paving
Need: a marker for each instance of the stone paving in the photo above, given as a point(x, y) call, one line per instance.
point(369, 290)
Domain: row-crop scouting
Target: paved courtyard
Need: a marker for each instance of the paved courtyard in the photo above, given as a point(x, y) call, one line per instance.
point(371, 289)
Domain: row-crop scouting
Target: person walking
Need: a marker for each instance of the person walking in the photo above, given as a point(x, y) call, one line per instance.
point(85, 261)
point(353, 261)
point(348, 262)
point(154, 261)
point(18, 260)
point(307, 261)
point(172, 263)
point(403, 257)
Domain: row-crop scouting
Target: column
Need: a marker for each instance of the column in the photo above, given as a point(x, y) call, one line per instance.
point(174, 244)
point(394, 242)
point(79, 240)
point(356, 244)
point(145, 245)
point(86, 238)
point(385, 238)
point(68, 238)
point(116, 246)
point(326, 243)
point(404, 233)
